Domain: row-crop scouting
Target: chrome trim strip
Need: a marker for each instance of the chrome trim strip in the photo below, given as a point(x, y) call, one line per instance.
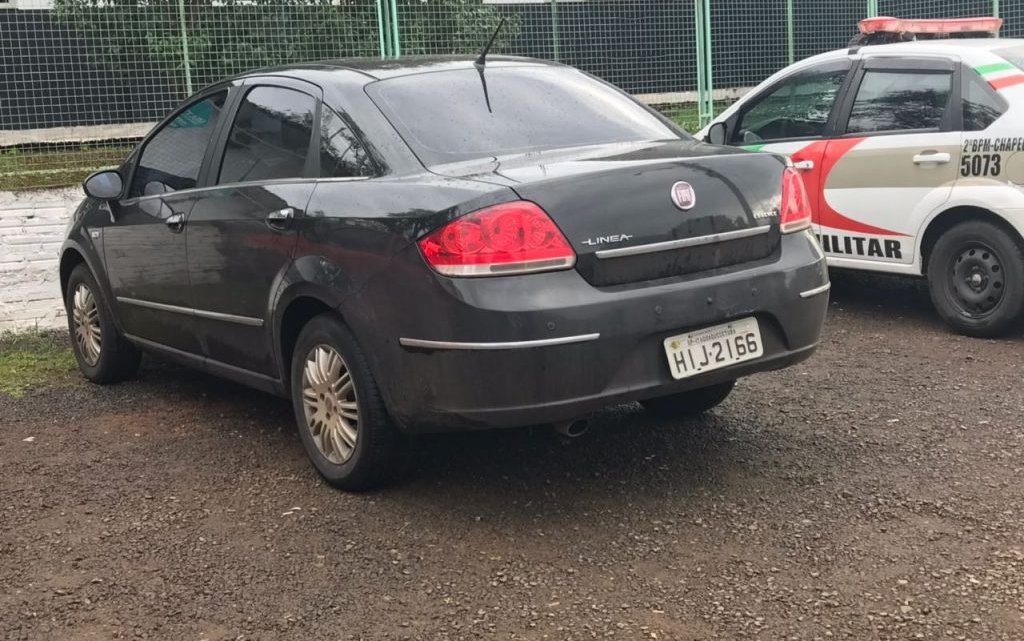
point(544, 342)
point(817, 290)
point(697, 241)
point(187, 311)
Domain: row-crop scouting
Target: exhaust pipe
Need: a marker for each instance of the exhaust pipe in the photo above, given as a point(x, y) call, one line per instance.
point(575, 428)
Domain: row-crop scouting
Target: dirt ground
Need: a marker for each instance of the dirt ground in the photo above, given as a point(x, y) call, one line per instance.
point(873, 492)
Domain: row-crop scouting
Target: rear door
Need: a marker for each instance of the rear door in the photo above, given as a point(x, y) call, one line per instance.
point(894, 161)
point(242, 229)
point(795, 117)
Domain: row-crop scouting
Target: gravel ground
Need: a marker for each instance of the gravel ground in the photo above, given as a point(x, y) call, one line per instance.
point(873, 492)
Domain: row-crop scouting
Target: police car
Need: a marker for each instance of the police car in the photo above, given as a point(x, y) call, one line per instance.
point(911, 146)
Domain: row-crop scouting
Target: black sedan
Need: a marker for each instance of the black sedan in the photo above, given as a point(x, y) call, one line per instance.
point(432, 244)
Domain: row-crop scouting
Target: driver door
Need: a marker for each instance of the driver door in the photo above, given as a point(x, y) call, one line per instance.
point(795, 116)
point(144, 245)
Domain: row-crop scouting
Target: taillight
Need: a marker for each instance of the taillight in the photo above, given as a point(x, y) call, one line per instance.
point(510, 238)
point(796, 206)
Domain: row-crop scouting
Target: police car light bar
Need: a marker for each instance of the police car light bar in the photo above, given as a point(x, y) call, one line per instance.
point(930, 27)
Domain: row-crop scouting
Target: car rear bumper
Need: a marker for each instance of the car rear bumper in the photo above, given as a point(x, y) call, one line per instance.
point(503, 352)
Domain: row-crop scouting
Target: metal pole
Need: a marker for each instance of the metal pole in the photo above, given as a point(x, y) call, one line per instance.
point(554, 28)
point(184, 48)
point(702, 20)
point(380, 30)
point(995, 8)
point(789, 32)
point(709, 70)
point(872, 8)
point(395, 43)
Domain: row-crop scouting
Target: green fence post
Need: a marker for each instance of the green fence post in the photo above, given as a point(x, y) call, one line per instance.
point(872, 8)
point(790, 38)
point(380, 30)
point(705, 91)
point(184, 48)
point(395, 43)
point(554, 29)
point(995, 8)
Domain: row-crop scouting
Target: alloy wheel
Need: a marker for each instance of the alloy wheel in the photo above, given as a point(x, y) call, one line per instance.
point(86, 318)
point(329, 404)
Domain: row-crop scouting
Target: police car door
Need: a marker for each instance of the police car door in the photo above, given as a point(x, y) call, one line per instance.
point(895, 161)
point(794, 116)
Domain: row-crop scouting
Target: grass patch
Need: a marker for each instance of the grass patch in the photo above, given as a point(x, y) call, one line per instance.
point(30, 360)
point(43, 166)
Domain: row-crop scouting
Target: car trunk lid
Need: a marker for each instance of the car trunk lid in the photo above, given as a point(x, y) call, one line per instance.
point(615, 205)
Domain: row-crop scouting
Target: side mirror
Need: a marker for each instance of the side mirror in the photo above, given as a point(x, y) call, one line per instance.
point(104, 185)
point(717, 133)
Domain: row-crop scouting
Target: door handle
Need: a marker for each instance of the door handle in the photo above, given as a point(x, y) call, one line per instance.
point(932, 157)
point(281, 218)
point(803, 165)
point(175, 222)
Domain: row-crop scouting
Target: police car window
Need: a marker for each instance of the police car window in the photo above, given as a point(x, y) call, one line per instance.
point(981, 104)
point(171, 159)
point(798, 108)
point(1013, 55)
point(342, 155)
point(270, 136)
point(900, 100)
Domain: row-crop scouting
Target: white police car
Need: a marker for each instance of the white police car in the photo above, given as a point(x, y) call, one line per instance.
point(911, 146)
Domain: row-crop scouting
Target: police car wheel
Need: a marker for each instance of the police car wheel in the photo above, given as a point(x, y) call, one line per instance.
point(690, 403)
point(976, 279)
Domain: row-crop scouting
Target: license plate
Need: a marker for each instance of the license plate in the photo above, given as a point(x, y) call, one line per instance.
point(713, 348)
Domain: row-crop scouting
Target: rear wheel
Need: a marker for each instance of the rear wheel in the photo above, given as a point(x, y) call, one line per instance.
point(690, 403)
point(976, 279)
point(343, 423)
point(103, 355)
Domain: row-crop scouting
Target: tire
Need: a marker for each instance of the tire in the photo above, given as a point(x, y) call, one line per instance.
point(690, 403)
point(325, 421)
point(976, 279)
point(103, 354)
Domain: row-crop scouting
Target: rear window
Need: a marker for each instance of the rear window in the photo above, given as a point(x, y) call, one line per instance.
point(444, 116)
point(1014, 55)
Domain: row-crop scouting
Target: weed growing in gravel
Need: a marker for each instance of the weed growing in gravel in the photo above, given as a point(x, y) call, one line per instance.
point(33, 359)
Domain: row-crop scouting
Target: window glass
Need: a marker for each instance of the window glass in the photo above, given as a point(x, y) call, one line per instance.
point(798, 108)
point(900, 100)
point(1013, 55)
point(981, 106)
point(172, 158)
point(451, 116)
point(341, 153)
point(270, 137)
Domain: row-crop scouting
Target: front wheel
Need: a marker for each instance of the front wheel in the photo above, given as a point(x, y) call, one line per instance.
point(103, 355)
point(690, 403)
point(344, 426)
point(976, 279)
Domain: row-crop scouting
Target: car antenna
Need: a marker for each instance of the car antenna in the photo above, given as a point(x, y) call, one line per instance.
point(481, 62)
point(482, 58)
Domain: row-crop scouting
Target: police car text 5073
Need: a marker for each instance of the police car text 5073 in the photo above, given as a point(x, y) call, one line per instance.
point(911, 146)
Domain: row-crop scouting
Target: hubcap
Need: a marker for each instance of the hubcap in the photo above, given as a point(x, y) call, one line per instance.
point(977, 280)
point(86, 319)
point(329, 403)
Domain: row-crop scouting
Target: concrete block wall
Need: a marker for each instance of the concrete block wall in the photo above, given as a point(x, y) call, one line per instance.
point(32, 227)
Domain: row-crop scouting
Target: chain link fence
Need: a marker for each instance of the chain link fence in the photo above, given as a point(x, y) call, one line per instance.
point(82, 80)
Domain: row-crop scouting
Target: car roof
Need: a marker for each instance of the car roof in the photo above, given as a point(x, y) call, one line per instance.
point(378, 69)
point(944, 46)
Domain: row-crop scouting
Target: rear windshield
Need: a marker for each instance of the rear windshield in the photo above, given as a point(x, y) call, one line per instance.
point(445, 118)
point(1014, 55)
